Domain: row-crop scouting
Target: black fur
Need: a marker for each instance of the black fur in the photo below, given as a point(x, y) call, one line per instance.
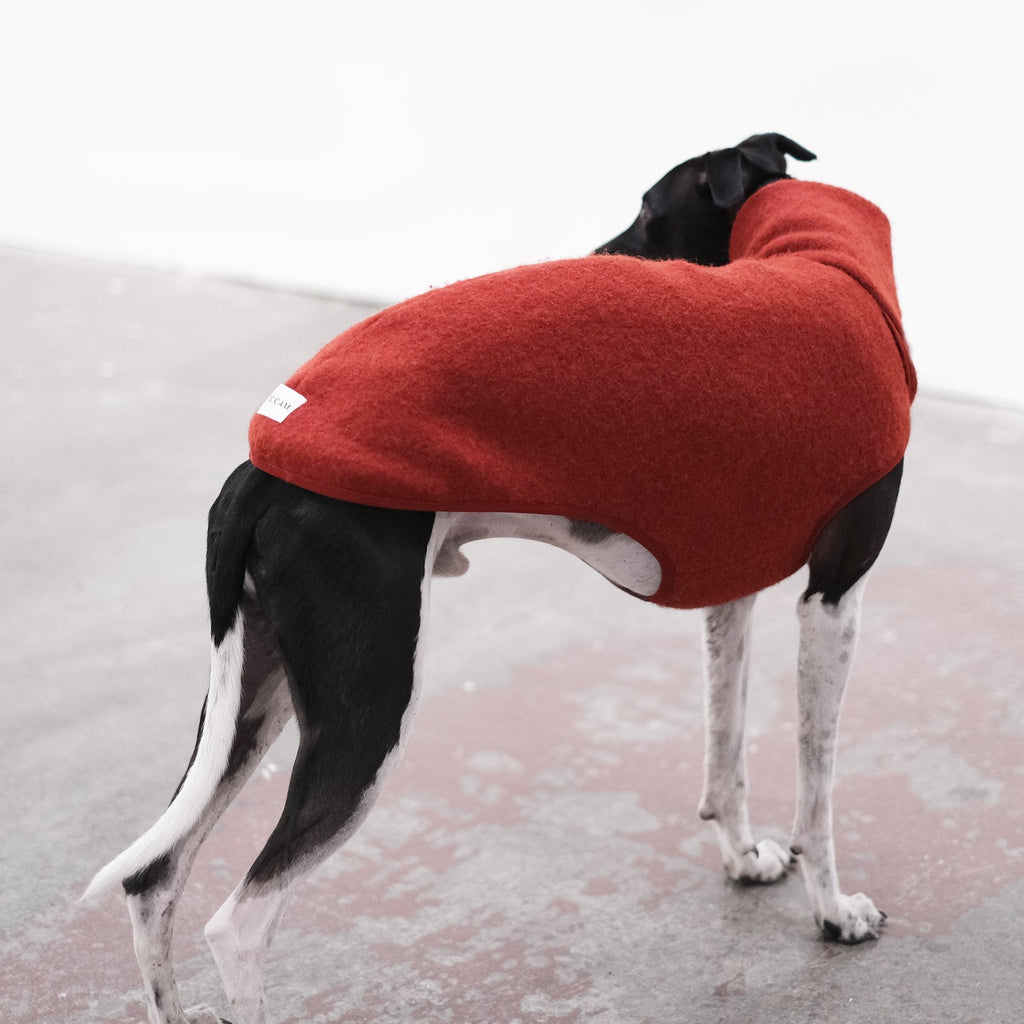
point(852, 540)
point(151, 876)
point(340, 587)
point(688, 214)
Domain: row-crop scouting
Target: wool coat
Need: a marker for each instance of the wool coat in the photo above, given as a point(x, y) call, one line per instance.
point(719, 416)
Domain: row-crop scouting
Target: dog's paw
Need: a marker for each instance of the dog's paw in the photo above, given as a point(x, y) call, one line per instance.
point(203, 1015)
point(853, 919)
point(764, 863)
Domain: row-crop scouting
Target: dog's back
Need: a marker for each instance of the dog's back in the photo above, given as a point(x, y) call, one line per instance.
point(719, 416)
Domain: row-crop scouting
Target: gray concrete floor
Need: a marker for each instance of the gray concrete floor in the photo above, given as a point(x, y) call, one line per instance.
point(537, 857)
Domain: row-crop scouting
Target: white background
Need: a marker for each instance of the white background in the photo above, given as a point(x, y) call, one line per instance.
point(373, 150)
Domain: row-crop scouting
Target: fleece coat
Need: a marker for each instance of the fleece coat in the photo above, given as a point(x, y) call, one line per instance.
point(719, 416)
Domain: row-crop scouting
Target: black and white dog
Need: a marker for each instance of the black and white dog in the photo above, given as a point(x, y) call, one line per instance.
point(318, 608)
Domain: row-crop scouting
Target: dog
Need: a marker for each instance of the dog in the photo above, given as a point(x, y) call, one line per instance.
point(318, 604)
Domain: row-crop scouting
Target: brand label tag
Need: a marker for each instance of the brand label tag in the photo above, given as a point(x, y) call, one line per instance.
point(281, 403)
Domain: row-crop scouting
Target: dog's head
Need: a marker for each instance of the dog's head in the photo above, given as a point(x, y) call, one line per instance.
point(688, 215)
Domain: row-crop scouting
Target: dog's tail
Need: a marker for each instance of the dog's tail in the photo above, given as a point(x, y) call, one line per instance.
point(232, 522)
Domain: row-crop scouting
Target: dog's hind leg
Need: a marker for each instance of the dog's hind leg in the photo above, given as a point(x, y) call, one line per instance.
point(724, 800)
point(829, 612)
point(345, 588)
point(246, 709)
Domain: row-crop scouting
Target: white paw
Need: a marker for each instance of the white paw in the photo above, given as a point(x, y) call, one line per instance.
point(853, 919)
point(203, 1015)
point(763, 864)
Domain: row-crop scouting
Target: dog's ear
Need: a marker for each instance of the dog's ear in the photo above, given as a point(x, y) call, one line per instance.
point(725, 177)
point(769, 151)
point(734, 174)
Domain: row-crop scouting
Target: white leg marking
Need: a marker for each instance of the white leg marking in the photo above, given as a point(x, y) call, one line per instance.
point(239, 935)
point(724, 801)
point(200, 784)
point(152, 911)
point(152, 924)
point(828, 639)
point(152, 917)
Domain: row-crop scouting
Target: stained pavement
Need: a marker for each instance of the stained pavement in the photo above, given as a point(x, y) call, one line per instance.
point(537, 857)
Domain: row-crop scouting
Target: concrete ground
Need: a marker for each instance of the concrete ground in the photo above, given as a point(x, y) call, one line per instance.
point(537, 857)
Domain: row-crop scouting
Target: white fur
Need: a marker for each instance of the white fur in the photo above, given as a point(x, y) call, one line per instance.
point(152, 926)
point(239, 935)
point(828, 639)
point(203, 776)
point(617, 557)
point(724, 800)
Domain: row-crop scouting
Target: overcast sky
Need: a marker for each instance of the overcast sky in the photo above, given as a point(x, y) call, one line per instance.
point(375, 150)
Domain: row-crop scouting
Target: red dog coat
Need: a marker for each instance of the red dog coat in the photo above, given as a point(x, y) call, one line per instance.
point(718, 415)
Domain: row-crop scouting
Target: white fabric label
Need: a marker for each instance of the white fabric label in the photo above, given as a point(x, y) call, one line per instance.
point(281, 403)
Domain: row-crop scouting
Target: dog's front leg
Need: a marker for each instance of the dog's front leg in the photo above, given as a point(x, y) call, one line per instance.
point(828, 637)
point(724, 801)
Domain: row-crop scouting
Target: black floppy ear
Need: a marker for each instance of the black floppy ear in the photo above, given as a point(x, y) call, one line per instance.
point(725, 177)
point(791, 148)
point(769, 151)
